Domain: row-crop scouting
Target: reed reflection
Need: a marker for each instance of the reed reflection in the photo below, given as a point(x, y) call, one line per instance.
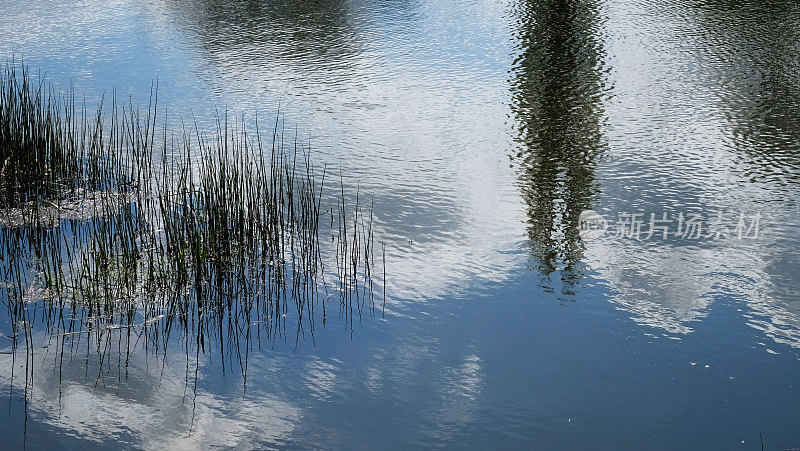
point(107, 252)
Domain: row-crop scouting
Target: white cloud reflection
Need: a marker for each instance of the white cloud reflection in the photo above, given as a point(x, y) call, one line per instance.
point(149, 409)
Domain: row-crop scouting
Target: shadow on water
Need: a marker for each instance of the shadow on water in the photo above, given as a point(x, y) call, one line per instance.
point(255, 32)
point(748, 54)
point(558, 84)
point(310, 43)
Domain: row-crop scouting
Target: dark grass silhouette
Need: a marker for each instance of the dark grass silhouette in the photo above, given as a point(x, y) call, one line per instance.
point(119, 234)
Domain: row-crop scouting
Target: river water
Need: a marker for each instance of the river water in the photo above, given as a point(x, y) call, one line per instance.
point(482, 129)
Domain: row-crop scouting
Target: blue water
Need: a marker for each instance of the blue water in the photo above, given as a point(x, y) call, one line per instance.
point(482, 129)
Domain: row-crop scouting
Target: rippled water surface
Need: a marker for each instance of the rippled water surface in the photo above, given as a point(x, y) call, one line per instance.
point(482, 129)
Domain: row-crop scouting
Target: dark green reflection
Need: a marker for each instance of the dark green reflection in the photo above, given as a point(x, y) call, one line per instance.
point(315, 35)
point(558, 83)
point(753, 57)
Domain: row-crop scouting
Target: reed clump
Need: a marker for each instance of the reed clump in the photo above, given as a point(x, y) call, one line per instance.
point(115, 227)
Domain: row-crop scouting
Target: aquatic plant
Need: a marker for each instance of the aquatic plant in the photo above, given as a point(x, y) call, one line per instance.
point(115, 230)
